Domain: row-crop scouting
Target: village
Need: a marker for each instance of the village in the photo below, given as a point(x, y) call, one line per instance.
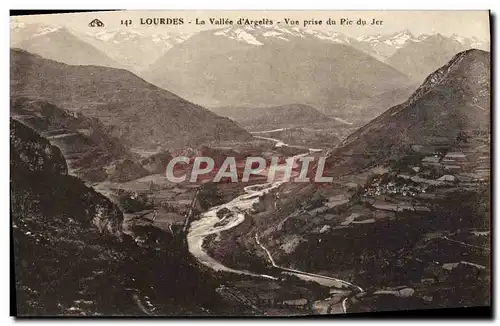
point(434, 175)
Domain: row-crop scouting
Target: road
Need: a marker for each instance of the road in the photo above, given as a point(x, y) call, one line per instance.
point(479, 107)
point(267, 131)
point(465, 244)
point(310, 276)
point(278, 142)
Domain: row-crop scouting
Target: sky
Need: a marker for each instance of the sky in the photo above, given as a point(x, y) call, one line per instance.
point(463, 23)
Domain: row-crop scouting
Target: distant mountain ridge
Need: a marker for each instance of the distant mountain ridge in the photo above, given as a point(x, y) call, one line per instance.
point(59, 44)
point(237, 67)
point(262, 118)
point(384, 46)
point(418, 60)
point(119, 48)
point(136, 51)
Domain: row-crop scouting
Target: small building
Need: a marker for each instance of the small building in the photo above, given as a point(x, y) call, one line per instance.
point(404, 176)
point(456, 156)
point(297, 303)
point(454, 168)
point(447, 177)
point(266, 298)
point(431, 159)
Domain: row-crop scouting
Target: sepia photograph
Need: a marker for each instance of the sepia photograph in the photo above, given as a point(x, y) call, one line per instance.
point(218, 163)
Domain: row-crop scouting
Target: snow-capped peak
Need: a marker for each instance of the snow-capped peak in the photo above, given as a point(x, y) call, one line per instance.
point(17, 25)
point(104, 35)
point(33, 29)
point(239, 34)
point(46, 30)
point(400, 38)
point(403, 34)
point(458, 38)
point(369, 38)
point(116, 36)
point(472, 42)
point(421, 37)
point(134, 36)
point(259, 35)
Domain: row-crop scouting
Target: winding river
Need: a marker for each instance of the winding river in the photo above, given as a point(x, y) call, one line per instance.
point(209, 224)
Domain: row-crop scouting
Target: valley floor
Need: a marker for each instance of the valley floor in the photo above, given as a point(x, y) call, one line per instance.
point(368, 242)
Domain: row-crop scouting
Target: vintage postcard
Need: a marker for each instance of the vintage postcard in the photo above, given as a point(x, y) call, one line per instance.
point(250, 163)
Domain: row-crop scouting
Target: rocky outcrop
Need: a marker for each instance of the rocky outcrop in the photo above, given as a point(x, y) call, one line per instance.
point(71, 255)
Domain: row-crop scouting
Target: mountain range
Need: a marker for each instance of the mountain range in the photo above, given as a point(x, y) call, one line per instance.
point(420, 59)
point(132, 49)
point(136, 51)
point(247, 66)
point(98, 114)
point(138, 113)
point(60, 44)
point(120, 49)
point(329, 74)
point(384, 46)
